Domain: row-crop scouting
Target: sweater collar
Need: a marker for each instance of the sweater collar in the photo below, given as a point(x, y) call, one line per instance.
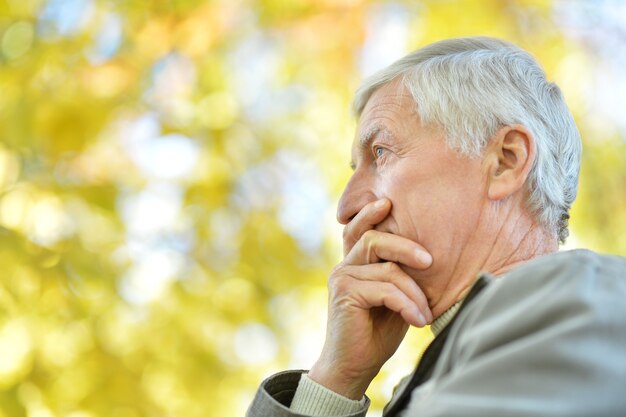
point(442, 321)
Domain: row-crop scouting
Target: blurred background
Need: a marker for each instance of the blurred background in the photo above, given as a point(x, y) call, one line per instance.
point(169, 172)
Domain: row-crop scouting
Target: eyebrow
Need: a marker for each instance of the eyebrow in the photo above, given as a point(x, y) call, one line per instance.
point(366, 138)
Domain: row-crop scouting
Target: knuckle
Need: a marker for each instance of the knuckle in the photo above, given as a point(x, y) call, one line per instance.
point(397, 292)
point(369, 236)
point(392, 297)
point(338, 284)
point(391, 267)
point(337, 269)
point(336, 273)
point(369, 245)
point(346, 233)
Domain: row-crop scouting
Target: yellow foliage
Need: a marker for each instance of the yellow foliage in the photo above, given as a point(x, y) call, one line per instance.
point(168, 176)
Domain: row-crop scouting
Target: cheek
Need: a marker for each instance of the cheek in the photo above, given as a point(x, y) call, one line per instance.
point(413, 190)
point(434, 206)
point(412, 207)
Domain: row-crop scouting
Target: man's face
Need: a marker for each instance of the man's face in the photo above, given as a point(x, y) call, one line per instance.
point(437, 195)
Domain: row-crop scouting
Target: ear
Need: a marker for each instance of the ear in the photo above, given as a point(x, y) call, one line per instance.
point(509, 157)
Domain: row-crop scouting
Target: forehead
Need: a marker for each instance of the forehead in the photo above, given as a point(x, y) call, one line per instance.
point(387, 112)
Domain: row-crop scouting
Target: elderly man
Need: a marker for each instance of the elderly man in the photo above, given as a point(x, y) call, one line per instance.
point(465, 164)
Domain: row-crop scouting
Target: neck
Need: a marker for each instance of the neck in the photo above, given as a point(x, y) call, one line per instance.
point(518, 239)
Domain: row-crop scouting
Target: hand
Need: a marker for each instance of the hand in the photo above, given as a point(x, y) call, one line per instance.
point(372, 301)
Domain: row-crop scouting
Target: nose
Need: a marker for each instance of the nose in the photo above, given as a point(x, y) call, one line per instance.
point(355, 196)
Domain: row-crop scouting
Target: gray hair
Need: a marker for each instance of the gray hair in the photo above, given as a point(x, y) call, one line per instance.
point(472, 87)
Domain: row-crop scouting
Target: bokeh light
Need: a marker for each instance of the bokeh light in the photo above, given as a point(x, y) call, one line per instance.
point(169, 173)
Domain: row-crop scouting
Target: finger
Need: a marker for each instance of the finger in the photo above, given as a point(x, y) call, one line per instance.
point(366, 219)
point(391, 273)
point(369, 294)
point(375, 246)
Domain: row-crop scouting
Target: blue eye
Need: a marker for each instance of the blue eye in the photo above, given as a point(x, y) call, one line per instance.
point(378, 151)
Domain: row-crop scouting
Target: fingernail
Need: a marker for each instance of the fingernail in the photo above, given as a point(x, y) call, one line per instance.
point(423, 257)
point(421, 320)
point(429, 317)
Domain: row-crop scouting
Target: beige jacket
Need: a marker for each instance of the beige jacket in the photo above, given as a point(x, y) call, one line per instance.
point(546, 339)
